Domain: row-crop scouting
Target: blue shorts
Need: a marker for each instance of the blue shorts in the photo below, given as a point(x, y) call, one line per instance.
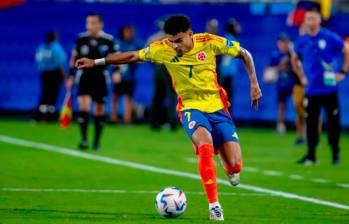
point(219, 124)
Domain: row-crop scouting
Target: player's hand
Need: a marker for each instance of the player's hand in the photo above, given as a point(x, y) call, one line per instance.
point(69, 83)
point(304, 81)
point(339, 77)
point(256, 94)
point(85, 63)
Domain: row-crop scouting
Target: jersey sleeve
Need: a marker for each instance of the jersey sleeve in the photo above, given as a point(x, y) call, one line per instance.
point(222, 45)
point(151, 53)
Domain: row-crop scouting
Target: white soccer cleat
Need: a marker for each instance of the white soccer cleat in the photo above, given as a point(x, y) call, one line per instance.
point(234, 178)
point(216, 214)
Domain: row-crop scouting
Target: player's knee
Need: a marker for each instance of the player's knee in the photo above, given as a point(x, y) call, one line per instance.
point(201, 137)
point(233, 162)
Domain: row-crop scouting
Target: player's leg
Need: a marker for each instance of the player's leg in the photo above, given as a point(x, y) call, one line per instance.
point(84, 102)
point(282, 97)
point(99, 120)
point(207, 167)
point(331, 105)
point(128, 102)
point(230, 155)
point(198, 129)
point(312, 106)
point(43, 103)
point(56, 81)
point(298, 98)
point(203, 142)
point(99, 93)
point(114, 106)
point(226, 142)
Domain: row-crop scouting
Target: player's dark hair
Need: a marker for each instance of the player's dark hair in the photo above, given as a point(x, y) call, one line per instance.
point(317, 10)
point(176, 24)
point(51, 36)
point(99, 16)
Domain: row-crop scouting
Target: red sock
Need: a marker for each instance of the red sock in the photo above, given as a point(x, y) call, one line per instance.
point(234, 169)
point(207, 170)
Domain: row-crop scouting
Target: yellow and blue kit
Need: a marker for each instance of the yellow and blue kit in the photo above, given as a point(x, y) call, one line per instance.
point(194, 79)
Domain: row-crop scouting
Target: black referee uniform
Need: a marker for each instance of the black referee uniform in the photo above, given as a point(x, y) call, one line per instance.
point(92, 82)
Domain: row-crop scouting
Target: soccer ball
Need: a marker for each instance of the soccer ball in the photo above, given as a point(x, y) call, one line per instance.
point(171, 202)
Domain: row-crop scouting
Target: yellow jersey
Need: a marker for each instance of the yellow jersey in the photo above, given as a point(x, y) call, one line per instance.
point(193, 74)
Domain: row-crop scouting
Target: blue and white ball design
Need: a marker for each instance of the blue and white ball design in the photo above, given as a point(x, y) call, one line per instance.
point(171, 202)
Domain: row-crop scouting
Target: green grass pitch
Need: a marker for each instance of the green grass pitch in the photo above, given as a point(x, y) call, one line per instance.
point(269, 162)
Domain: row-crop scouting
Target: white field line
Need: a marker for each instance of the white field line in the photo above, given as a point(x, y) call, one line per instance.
point(250, 169)
point(296, 177)
point(343, 185)
point(75, 153)
point(319, 180)
point(115, 191)
point(191, 160)
point(272, 173)
point(276, 173)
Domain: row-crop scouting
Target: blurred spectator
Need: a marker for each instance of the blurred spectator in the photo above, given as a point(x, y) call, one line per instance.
point(212, 26)
point(163, 109)
point(317, 52)
point(287, 84)
point(229, 65)
point(51, 59)
point(92, 83)
point(124, 82)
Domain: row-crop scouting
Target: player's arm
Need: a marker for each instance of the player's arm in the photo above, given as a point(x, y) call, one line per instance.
point(247, 59)
point(297, 67)
point(222, 45)
point(345, 67)
point(115, 59)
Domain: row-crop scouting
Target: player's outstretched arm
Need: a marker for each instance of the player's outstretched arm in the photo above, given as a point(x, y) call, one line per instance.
point(247, 59)
point(116, 59)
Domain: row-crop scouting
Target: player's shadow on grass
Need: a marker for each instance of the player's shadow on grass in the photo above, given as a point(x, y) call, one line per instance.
point(94, 215)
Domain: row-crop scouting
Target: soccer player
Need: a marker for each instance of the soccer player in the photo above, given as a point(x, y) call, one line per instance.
point(92, 86)
point(316, 61)
point(202, 103)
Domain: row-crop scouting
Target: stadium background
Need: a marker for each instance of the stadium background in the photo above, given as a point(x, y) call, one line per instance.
point(24, 26)
point(44, 178)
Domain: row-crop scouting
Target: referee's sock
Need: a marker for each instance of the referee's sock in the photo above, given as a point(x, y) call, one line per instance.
point(99, 123)
point(83, 121)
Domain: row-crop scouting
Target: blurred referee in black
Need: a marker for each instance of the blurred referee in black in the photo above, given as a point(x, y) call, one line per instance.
point(92, 83)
